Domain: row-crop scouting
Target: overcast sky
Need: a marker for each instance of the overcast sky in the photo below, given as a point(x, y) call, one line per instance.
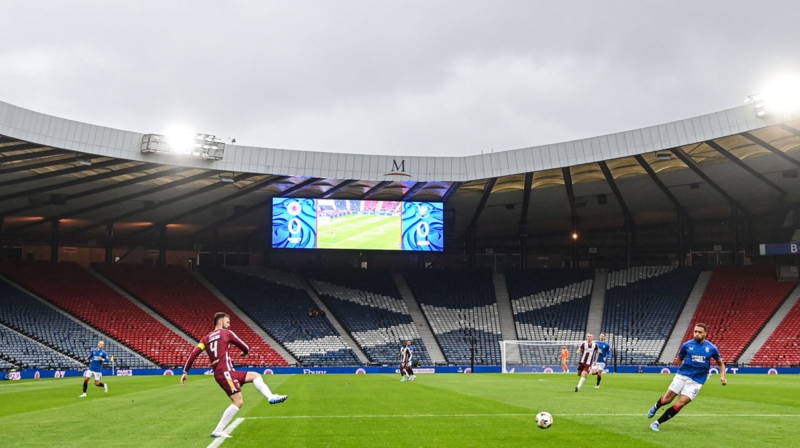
point(394, 77)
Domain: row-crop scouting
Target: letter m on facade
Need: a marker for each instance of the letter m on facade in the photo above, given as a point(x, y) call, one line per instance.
point(399, 167)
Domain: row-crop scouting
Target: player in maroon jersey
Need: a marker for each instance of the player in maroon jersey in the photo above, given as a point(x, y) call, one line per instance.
point(586, 356)
point(216, 344)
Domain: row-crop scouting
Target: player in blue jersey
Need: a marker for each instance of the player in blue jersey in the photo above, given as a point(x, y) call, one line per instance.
point(695, 356)
point(96, 360)
point(602, 353)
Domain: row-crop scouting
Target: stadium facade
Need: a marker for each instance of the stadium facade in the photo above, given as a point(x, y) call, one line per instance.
point(716, 184)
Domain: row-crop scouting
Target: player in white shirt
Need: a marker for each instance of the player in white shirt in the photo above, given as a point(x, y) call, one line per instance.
point(406, 355)
point(586, 356)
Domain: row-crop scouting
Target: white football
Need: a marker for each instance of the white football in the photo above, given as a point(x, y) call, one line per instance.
point(544, 420)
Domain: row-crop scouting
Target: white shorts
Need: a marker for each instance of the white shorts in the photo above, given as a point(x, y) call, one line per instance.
point(599, 366)
point(97, 375)
point(683, 385)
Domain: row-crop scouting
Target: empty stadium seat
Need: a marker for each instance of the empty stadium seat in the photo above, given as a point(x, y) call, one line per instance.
point(26, 353)
point(283, 311)
point(5, 365)
point(782, 348)
point(642, 305)
point(461, 308)
point(75, 290)
point(368, 305)
point(549, 305)
point(38, 321)
point(181, 299)
point(737, 303)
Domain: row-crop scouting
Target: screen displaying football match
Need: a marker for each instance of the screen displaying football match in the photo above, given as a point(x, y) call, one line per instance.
point(351, 224)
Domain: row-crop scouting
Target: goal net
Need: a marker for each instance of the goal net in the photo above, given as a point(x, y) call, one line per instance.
point(520, 356)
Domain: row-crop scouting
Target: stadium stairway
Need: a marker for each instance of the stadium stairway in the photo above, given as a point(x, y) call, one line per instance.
point(594, 320)
point(550, 307)
point(737, 303)
point(175, 294)
point(506, 316)
point(143, 307)
point(778, 342)
point(642, 304)
point(346, 336)
point(368, 304)
point(422, 324)
point(685, 318)
point(36, 318)
point(70, 288)
point(461, 308)
point(277, 304)
point(247, 320)
point(294, 281)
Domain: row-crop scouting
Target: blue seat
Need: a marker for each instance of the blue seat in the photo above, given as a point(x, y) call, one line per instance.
point(368, 305)
point(642, 305)
point(26, 353)
point(549, 305)
point(283, 312)
point(461, 309)
point(31, 317)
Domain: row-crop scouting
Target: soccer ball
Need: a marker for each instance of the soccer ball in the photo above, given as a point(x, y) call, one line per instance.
point(544, 420)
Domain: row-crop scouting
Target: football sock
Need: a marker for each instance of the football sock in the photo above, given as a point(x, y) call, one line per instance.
point(84, 386)
point(659, 403)
point(580, 382)
point(227, 416)
point(598, 379)
point(668, 414)
point(262, 387)
point(410, 371)
point(100, 384)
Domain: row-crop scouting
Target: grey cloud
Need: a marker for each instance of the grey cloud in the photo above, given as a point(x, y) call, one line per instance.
point(392, 77)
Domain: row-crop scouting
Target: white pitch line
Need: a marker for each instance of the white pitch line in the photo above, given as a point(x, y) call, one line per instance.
point(218, 441)
point(292, 417)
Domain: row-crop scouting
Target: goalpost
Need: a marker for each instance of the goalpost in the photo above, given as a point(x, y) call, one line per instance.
point(514, 354)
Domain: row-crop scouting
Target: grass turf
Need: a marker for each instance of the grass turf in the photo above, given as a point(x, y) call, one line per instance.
point(360, 232)
point(377, 410)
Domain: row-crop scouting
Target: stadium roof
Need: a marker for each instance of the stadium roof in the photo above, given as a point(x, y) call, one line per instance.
point(87, 177)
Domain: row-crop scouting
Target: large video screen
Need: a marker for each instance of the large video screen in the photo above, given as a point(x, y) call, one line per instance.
point(350, 224)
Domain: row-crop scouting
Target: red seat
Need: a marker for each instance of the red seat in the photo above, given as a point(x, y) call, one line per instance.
point(75, 290)
point(180, 298)
point(783, 346)
point(736, 304)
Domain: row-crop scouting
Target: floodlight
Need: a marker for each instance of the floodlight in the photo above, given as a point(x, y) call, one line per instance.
point(575, 236)
point(781, 95)
point(664, 156)
point(180, 141)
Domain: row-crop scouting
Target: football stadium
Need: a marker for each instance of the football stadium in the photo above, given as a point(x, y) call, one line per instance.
point(489, 265)
point(181, 289)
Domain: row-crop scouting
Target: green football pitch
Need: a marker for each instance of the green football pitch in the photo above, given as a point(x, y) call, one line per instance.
point(360, 232)
point(445, 410)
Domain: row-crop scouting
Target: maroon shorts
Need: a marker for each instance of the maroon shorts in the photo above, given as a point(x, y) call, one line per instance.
point(583, 367)
point(230, 380)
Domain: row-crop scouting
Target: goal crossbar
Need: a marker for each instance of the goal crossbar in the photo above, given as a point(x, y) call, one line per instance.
point(507, 348)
